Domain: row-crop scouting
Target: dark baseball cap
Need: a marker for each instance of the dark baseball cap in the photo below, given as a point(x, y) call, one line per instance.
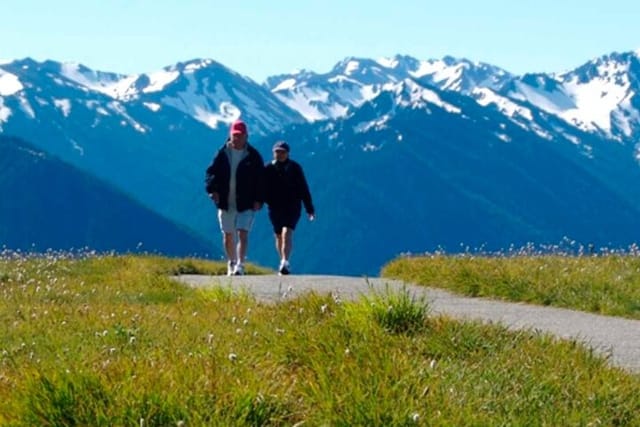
point(281, 146)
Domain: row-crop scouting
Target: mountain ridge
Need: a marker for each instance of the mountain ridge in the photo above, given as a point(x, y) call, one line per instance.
point(48, 204)
point(468, 138)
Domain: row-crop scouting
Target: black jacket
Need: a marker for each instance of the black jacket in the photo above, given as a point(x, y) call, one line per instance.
point(249, 179)
point(286, 186)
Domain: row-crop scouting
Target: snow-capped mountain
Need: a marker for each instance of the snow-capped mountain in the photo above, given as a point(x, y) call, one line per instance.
point(203, 89)
point(211, 93)
point(600, 96)
point(418, 169)
point(454, 151)
point(155, 153)
point(354, 81)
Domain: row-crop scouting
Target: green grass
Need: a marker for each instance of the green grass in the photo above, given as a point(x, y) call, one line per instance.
point(113, 341)
point(608, 285)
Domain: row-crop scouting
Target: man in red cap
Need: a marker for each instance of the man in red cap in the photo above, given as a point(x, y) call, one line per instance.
point(234, 181)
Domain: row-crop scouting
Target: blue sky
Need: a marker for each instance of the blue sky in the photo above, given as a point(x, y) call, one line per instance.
point(262, 38)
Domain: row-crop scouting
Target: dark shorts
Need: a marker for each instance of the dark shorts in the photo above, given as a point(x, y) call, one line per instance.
point(284, 218)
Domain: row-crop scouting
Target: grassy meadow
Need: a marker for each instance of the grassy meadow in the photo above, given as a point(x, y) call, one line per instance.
point(604, 284)
point(113, 341)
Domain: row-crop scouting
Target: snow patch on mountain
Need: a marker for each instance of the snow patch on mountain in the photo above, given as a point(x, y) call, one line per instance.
point(626, 117)
point(152, 106)
point(554, 102)
point(5, 112)
point(411, 94)
point(304, 100)
point(97, 106)
point(505, 105)
point(351, 67)
point(503, 137)
point(120, 109)
point(595, 99)
point(201, 106)
point(447, 77)
point(378, 124)
point(64, 105)
point(388, 62)
point(9, 84)
point(368, 147)
point(124, 88)
point(285, 85)
point(159, 79)
point(195, 65)
point(118, 86)
point(100, 82)
point(571, 138)
point(25, 106)
point(354, 94)
point(264, 120)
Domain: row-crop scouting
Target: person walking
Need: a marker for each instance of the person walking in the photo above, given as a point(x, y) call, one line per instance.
point(286, 189)
point(235, 182)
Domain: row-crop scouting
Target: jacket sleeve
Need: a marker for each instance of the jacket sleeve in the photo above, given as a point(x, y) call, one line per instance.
point(303, 191)
point(260, 179)
point(267, 185)
point(211, 179)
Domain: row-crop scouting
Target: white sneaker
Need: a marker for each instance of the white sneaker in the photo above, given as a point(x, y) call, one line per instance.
point(230, 268)
point(284, 268)
point(238, 270)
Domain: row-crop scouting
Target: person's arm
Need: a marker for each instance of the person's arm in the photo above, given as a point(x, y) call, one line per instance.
point(259, 182)
point(305, 194)
point(212, 178)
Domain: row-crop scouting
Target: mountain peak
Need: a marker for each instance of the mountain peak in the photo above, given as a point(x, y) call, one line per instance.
point(193, 65)
point(398, 61)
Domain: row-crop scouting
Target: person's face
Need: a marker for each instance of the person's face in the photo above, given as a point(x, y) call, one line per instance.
point(280, 155)
point(238, 140)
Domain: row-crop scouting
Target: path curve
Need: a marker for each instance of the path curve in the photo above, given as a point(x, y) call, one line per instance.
point(613, 337)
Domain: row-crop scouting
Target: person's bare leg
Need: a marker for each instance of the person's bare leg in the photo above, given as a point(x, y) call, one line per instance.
point(243, 244)
point(287, 243)
point(229, 246)
point(278, 238)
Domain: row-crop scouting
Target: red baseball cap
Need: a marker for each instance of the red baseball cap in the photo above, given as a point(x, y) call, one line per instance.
point(238, 127)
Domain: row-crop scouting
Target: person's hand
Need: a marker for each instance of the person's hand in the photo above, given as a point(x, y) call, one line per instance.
point(312, 217)
point(257, 206)
point(215, 196)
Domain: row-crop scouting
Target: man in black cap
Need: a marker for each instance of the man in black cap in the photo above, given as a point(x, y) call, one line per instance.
point(285, 190)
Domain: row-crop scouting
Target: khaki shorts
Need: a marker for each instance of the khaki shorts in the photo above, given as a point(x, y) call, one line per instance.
point(232, 220)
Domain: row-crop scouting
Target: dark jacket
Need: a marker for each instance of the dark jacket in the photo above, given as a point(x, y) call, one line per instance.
point(286, 186)
point(249, 179)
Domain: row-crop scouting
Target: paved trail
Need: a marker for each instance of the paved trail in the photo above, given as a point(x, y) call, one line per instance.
point(617, 338)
